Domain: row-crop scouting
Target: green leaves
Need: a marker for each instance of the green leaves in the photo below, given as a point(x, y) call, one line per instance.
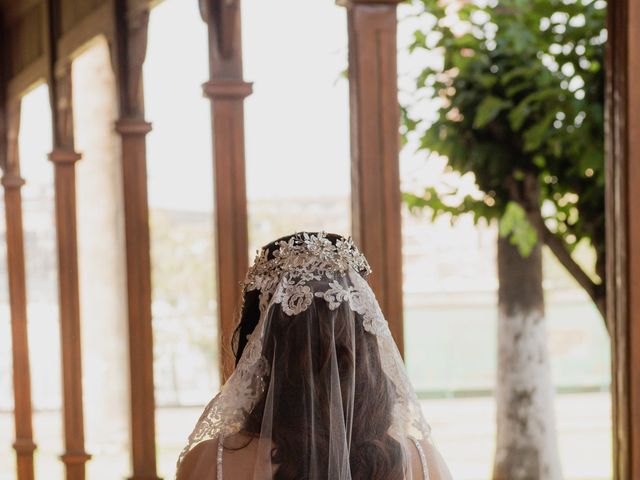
point(419, 40)
point(535, 135)
point(451, 203)
point(489, 109)
point(507, 111)
point(525, 72)
point(532, 103)
point(514, 224)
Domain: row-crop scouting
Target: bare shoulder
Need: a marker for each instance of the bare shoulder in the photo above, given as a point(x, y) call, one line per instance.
point(239, 460)
point(200, 462)
point(436, 465)
point(242, 459)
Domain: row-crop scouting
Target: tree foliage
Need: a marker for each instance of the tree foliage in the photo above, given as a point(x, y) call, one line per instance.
point(519, 96)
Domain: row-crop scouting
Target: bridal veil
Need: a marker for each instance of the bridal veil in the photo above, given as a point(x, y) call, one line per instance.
point(320, 391)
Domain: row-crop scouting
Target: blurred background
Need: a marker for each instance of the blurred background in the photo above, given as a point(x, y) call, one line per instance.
point(464, 88)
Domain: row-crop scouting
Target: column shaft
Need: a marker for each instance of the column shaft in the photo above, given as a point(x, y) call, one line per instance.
point(12, 183)
point(375, 178)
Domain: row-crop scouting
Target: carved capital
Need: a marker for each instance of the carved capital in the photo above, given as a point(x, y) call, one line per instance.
point(222, 16)
point(136, 53)
point(62, 105)
point(3, 136)
point(128, 51)
point(10, 154)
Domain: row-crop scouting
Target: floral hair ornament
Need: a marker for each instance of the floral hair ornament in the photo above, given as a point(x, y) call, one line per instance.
point(304, 258)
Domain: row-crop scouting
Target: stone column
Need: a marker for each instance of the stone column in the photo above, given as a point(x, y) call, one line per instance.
point(12, 182)
point(375, 146)
point(64, 158)
point(227, 90)
point(623, 230)
point(128, 51)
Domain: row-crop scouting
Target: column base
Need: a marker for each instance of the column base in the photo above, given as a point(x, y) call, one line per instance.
point(24, 446)
point(12, 180)
point(64, 156)
point(75, 458)
point(132, 126)
point(227, 89)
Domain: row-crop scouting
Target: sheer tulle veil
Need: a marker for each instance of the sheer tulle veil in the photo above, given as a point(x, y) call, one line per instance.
point(320, 391)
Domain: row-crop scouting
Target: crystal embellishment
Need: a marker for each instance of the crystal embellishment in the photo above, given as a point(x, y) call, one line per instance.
point(303, 259)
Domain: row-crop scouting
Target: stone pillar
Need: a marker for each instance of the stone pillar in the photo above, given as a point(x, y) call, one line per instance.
point(128, 51)
point(227, 90)
point(375, 146)
point(623, 230)
point(64, 158)
point(12, 182)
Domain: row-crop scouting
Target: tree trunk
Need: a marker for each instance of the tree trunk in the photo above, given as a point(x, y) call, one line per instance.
point(526, 444)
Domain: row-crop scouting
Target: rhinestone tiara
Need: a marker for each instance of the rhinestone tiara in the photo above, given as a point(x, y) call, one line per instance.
point(302, 258)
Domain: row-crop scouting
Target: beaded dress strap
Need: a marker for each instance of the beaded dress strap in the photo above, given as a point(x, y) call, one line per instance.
point(423, 459)
point(219, 458)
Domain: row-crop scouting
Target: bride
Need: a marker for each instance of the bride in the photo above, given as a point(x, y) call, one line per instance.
point(319, 391)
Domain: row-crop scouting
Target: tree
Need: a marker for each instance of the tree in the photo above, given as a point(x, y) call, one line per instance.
point(521, 93)
point(520, 106)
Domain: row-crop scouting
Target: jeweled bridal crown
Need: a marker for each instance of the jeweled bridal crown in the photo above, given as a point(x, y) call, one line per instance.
point(306, 255)
point(295, 262)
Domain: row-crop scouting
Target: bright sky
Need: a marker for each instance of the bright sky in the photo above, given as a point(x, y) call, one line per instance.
point(297, 119)
point(35, 139)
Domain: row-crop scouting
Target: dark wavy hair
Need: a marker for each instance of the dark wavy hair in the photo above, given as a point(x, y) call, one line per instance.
point(374, 454)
